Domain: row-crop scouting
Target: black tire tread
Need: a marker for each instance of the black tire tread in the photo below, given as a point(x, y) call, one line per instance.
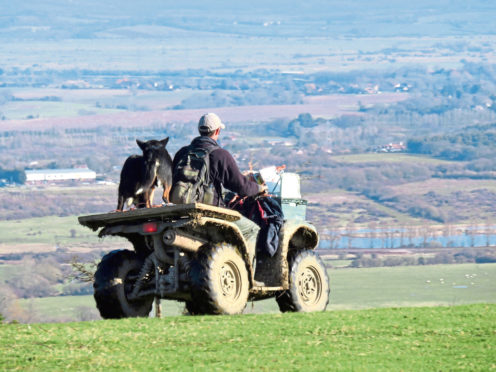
point(204, 297)
point(105, 291)
point(288, 300)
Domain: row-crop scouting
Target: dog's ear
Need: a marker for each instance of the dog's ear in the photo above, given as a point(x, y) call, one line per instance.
point(164, 141)
point(141, 144)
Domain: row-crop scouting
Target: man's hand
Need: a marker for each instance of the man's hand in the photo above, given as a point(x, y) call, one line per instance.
point(262, 189)
point(249, 175)
point(234, 199)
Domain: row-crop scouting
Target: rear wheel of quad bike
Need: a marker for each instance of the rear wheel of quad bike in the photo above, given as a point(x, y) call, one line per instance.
point(308, 284)
point(193, 309)
point(219, 281)
point(114, 280)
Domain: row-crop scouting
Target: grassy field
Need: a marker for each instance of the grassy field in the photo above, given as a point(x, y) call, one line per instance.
point(439, 338)
point(444, 186)
point(337, 208)
point(72, 103)
point(45, 230)
point(332, 106)
point(413, 286)
point(6, 271)
point(350, 289)
point(389, 158)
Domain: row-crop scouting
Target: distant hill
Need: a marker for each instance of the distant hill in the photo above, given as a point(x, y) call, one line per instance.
point(62, 19)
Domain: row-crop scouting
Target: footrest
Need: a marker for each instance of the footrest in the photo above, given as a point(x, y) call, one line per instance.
point(267, 289)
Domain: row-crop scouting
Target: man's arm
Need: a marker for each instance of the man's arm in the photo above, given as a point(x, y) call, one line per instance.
point(231, 177)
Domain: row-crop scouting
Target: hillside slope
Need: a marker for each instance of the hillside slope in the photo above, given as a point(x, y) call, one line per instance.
point(441, 338)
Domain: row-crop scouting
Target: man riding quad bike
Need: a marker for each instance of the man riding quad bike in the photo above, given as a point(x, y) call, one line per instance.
point(205, 255)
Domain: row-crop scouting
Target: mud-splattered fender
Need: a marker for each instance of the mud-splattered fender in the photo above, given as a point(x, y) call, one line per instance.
point(294, 235)
point(218, 231)
point(298, 235)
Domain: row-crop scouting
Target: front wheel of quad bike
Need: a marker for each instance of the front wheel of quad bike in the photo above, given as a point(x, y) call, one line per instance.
point(114, 280)
point(219, 281)
point(308, 284)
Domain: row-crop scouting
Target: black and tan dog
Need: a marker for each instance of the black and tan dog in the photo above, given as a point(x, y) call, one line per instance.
point(141, 174)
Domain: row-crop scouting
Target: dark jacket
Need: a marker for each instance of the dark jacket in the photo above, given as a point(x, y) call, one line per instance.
point(223, 169)
point(267, 213)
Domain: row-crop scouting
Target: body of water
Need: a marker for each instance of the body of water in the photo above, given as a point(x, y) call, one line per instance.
point(406, 237)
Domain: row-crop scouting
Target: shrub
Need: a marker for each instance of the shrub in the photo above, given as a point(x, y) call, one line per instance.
point(400, 261)
point(77, 289)
point(441, 258)
point(428, 212)
point(366, 262)
point(485, 259)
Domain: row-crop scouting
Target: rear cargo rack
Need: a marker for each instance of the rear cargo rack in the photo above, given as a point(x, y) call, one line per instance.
point(174, 211)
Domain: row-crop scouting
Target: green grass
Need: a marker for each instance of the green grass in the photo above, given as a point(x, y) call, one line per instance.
point(339, 263)
point(69, 308)
point(350, 289)
point(46, 230)
point(62, 305)
point(413, 339)
point(413, 286)
point(6, 271)
point(42, 109)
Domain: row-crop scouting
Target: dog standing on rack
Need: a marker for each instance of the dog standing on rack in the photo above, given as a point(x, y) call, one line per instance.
point(141, 174)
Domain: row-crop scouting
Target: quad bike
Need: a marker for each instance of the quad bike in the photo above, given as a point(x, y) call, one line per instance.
point(196, 254)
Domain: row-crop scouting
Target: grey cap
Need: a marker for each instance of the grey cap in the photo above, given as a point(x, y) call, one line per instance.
point(209, 122)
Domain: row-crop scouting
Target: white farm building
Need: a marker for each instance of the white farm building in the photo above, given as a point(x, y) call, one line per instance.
point(40, 176)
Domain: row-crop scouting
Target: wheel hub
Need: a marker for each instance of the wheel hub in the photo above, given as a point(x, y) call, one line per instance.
point(309, 285)
point(229, 280)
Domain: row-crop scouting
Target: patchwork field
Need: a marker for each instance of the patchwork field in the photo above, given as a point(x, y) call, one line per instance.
point(325, 106)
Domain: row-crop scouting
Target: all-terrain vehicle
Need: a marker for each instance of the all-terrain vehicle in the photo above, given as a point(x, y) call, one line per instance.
point(194, 253)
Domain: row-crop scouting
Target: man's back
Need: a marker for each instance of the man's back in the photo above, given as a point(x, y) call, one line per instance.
point(223, 170)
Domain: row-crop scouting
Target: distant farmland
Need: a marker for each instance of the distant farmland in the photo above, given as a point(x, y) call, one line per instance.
point(364, 288)
point(322, 106)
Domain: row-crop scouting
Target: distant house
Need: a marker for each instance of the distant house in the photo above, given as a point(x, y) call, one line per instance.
point(401, 87)
point(372, 89)
point(75, 84)
point(392, 147)
point(43, 176)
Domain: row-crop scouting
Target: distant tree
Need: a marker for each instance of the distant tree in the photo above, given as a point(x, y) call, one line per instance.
point(348, 121)
point(14, 176)
point(52, 165)
point(7, 297)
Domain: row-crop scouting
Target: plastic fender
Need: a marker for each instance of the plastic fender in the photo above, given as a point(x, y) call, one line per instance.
point(225, 231)
point(298, 235)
